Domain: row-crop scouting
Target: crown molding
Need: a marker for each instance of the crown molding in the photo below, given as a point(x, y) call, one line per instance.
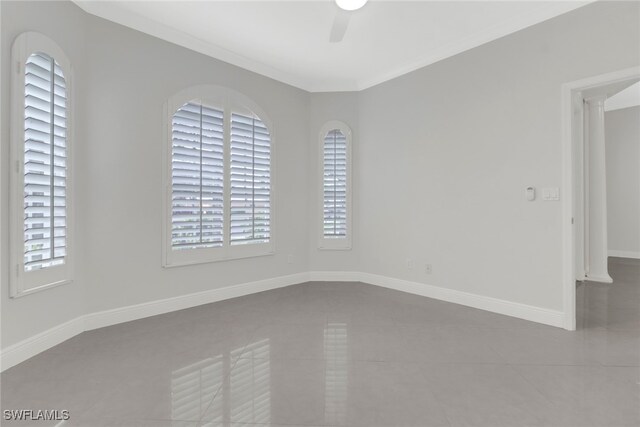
point(113, 12)
point(544, 12)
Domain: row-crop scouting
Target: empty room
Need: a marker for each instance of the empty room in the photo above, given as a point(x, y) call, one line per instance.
point(319, 213)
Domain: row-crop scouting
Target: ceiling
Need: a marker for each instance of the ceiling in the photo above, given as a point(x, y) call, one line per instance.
point(629, 97)
point(289, 40)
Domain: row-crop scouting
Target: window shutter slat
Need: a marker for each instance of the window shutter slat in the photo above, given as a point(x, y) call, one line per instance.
point(335, 185)
point(250, 179)
point(197, 177)
point(45, 168)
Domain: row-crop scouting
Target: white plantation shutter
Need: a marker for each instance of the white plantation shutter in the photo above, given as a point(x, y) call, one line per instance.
point(335, 184)
point(250, 178)
point(45, 163)
point(217, 178)
point(197, 171)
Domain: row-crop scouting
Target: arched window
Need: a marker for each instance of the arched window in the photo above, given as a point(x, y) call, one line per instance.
point(335, 142)
point(41, 235)
point(219, 181)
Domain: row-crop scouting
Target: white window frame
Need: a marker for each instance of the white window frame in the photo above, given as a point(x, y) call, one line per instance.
point(344, 243)
point(24, 283)
point(229, 101)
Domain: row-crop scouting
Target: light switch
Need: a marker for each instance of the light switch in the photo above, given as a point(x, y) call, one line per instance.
point(551, 194)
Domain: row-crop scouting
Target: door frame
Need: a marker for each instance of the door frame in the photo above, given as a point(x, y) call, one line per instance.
point(572, 142)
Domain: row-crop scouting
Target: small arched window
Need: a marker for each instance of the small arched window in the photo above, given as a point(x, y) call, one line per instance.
point(335, 139)
point(220, 198)
point(41, 150)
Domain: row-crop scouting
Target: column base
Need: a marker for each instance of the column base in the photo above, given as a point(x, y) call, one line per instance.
point(605, 278)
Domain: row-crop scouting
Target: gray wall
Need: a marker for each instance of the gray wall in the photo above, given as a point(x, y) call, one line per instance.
point(133, 75)
point(123, 79)
point(441, 160)
point(63, 22)
point(448, 150)
point(325, 107)
point(622, 142)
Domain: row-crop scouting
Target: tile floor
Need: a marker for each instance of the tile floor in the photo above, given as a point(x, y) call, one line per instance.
point(321, 354)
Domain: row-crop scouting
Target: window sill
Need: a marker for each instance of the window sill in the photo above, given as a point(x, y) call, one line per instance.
point(22, 293)
point(328, 245)
point(251, 252)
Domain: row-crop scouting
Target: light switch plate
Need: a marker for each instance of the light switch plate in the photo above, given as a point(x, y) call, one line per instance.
point(551, 194)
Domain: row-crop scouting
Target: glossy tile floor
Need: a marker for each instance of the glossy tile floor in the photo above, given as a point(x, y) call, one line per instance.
point(348, 354)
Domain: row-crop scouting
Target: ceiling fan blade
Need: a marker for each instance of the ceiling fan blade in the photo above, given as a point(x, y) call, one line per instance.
point(339, 27)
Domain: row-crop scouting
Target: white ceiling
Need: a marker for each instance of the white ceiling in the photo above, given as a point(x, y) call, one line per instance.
point(629, 97)
point(289, 40)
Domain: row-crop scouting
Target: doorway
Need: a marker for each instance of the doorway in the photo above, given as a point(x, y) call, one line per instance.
point(585, 248)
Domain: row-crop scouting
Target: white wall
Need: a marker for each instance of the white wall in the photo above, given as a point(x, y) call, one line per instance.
point(132, 75)
point(622, 141)
point(123, 79)
point(323, 108)
point(441, 160)
point(26, 316)
point(448, 150)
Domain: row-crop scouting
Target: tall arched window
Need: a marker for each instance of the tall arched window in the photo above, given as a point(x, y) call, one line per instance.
point(219, 196)
point(41, 232)
point(335, 142)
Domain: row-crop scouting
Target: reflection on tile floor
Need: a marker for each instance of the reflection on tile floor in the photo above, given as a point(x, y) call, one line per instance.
point(320, 354)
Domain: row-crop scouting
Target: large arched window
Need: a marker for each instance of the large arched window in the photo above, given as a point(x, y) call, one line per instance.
point(335, 149)
point(219, 197)
point(41, 194)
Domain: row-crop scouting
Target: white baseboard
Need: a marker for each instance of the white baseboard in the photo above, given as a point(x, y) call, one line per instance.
point(335, 276)
point(28, 348)
point(153, 308)
point(494, 305)
point(624, 254)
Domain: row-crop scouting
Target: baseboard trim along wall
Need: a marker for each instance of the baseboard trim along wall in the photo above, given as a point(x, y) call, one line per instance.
point(624, 254)
point(32, 346)
point(495, 305)
point(153, 308)
point(38, 343)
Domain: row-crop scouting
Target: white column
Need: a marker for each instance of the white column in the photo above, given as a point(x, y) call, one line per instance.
point(596, 247)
